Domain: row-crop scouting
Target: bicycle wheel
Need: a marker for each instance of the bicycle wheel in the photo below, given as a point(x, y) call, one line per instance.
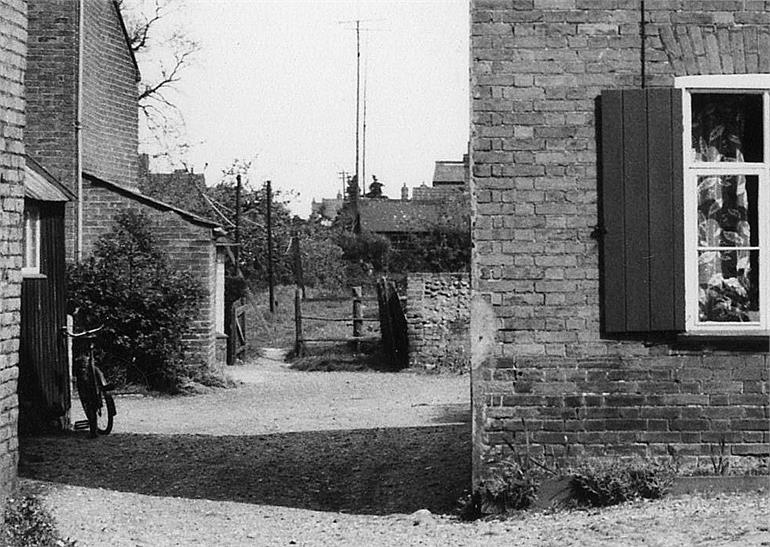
point(104, 414)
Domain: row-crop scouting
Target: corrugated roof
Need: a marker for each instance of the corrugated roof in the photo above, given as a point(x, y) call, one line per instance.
point(39, 184)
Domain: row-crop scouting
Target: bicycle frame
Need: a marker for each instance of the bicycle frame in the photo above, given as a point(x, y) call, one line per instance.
point(92, 388)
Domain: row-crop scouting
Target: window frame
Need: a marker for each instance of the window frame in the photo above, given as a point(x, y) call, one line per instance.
point(750, 84)
point(31, 245)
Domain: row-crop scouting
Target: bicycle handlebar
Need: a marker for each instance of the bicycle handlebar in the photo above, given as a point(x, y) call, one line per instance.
point(85, 334)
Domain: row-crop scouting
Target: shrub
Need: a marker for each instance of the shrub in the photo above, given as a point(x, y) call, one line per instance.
point(602, 482)
point(366, 248)
point(144, 304)
point(26, 523)
point(512, 488)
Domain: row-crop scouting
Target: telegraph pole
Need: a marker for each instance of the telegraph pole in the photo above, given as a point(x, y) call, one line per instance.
point(237, 252)
point(363, 140)
point(358, 92)
point(344, 176)
point(269, 195)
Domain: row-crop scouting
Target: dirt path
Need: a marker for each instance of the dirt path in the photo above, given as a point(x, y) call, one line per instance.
point(274, 398)
point(321, 459)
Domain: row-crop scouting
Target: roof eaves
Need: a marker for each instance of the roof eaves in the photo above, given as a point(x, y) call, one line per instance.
point(43, 172)
point(157, 204)
point(128, 39)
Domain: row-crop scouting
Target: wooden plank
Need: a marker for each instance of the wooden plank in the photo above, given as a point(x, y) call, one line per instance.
point(636, 211)
point(613, 224)
point(661, 189)
point(677, 211)
point(345, 339)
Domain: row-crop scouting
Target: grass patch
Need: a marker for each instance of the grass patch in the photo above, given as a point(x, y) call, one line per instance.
point(343, 358)
point(276, 329)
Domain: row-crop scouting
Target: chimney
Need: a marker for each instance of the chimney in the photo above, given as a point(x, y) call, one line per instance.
point(404, 193)
point(144, 165)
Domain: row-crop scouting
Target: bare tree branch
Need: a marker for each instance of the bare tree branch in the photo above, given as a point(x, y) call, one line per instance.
point(163, 50)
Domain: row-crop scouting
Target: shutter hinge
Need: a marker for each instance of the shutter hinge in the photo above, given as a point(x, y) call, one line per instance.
point(598, 231)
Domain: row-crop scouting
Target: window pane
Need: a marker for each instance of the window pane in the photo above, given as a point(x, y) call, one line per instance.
point(727, 211)
point(728, 286)
point(727, 127)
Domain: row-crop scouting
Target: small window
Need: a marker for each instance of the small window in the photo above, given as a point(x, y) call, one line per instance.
point(31, 240)
point(727, 189)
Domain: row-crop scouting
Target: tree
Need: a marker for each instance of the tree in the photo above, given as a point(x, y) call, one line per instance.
point(164, 50)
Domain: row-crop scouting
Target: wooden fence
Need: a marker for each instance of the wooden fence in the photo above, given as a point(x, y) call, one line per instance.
point(391, 319)
point(357, 320)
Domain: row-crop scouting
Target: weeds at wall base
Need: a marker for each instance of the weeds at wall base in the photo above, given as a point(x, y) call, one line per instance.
point(27, 523)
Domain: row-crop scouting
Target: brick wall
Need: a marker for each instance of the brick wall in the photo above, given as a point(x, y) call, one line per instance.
point(110, 113)
point(13, 48)
point(109, 117)
point(438, 320)
point(539, 358)
point(51, 84)
point(188, 247)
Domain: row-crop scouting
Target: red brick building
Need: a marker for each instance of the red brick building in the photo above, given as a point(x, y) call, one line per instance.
point(82, 126)
point(620, 179)
point(13, 49)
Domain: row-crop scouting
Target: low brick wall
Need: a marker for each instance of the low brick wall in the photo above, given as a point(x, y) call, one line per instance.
point(438, 321)
point(631, 406)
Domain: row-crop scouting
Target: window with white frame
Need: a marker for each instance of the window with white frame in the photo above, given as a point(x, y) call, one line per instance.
point(31, 240)
point(726, 142)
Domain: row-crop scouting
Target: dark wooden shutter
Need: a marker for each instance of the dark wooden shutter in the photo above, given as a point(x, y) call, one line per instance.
point(642, 210)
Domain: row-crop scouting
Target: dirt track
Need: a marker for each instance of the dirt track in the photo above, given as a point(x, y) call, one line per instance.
point(322, 459)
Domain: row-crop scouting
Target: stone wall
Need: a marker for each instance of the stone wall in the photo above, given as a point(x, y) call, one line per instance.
point(13, 48)
point(540, 358)
point(438, 319)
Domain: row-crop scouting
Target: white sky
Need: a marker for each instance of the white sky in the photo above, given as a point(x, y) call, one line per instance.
point(275, 82)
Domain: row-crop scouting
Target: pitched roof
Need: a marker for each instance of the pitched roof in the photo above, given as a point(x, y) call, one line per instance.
point(152, 202)
point(394, 215)
point(41, 185)
point(123, 28)
point(450, 172)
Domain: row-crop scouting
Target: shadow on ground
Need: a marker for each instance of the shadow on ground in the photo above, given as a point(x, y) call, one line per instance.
point(364, 471)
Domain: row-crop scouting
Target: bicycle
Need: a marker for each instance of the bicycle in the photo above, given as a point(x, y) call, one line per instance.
point(93, 390)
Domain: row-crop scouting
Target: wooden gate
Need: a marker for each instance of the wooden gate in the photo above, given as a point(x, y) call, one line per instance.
point(236, 335)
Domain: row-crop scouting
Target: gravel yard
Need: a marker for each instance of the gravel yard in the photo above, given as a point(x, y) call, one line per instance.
point(320, 458)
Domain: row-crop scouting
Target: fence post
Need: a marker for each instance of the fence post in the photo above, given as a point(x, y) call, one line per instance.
point(358, 316)
point(232, 342)
point(299, 340)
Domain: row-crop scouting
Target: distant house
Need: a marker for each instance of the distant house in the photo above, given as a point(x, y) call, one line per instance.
point(327, 208)
point(44, 388)
point(397, 219)
point(443, 206)
point(82, 124)
point(450, 180)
